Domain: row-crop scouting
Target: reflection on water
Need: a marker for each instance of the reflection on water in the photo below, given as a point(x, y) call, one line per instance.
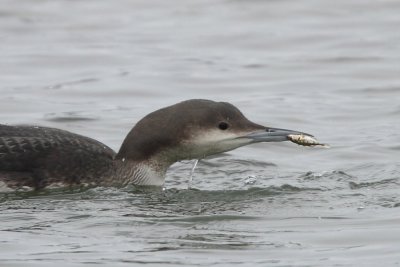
point(96, 68)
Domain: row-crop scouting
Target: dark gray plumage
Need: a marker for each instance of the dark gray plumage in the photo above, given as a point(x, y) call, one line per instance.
point(39, 156)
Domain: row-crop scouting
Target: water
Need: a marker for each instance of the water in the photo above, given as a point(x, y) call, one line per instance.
point(327, 68)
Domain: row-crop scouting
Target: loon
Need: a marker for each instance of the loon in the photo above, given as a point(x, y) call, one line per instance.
point(38, 157)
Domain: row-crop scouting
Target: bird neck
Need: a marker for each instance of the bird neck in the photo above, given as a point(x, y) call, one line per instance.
point(148, 172)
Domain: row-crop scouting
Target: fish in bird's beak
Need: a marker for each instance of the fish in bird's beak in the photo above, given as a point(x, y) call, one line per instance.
point(278, 135)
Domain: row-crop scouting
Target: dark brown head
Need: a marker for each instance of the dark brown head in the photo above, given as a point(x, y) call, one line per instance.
point(194, 129)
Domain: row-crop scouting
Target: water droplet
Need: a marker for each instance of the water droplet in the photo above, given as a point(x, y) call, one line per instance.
point(191, 173)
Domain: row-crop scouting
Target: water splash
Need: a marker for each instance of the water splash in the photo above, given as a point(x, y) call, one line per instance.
point(251, 179)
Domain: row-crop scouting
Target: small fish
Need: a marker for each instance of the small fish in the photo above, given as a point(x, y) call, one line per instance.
point(305, 140)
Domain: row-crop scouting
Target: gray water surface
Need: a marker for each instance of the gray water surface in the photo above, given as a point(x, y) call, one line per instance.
point(330, 68)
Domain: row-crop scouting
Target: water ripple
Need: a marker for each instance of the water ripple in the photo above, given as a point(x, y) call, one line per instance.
point(70, 116)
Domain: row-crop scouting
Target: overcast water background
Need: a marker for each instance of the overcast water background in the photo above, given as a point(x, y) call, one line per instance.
point(330, 68)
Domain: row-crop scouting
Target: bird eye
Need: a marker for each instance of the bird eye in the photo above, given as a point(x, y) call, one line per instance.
point(223, 125)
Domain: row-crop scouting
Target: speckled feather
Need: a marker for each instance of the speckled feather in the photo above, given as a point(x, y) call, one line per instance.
point(39, 156)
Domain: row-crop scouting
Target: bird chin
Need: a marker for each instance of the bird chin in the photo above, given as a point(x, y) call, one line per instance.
point(201, 151)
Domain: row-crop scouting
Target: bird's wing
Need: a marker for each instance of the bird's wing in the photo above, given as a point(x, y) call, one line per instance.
point(51, 152)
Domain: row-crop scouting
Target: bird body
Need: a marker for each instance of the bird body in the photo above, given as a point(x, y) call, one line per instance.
point(39, 157)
